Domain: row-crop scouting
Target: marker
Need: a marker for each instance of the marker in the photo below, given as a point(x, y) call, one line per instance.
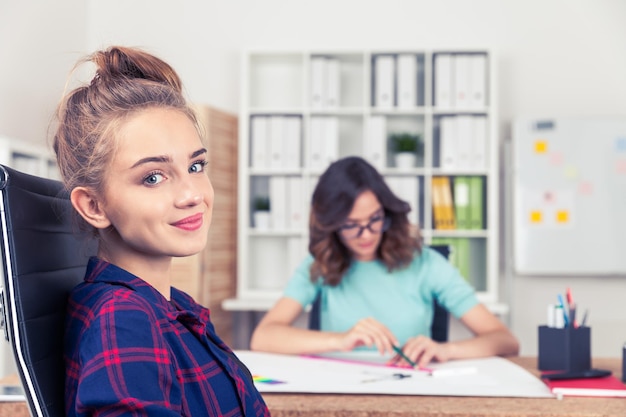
point(453, 371)
point(409, 361)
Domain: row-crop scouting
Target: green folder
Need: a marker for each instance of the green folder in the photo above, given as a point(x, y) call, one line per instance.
point(462, 202)
point(459, 253)
point(463, 257)
point(476, 211)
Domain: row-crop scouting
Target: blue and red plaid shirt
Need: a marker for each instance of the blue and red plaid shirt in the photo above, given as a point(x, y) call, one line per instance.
point(130, 352)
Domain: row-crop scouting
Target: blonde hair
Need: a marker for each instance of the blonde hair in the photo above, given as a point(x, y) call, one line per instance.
point(126, 81)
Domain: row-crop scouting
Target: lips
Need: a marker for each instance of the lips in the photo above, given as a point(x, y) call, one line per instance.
point(190, 223)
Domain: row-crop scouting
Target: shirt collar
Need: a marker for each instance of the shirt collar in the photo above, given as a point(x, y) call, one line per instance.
point(99, 270)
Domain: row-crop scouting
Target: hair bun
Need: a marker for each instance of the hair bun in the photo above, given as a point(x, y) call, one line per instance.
point(118, 62)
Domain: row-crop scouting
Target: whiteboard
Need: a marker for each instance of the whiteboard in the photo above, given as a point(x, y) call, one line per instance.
point(569, 196)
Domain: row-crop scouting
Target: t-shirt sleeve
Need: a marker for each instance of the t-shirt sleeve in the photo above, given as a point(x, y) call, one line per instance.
point(300, 287)
point(450, 289)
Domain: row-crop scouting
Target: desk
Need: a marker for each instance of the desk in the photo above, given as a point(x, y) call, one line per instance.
point(304, 405)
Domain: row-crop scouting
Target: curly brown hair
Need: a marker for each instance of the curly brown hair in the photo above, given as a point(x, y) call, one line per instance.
point(333, 198)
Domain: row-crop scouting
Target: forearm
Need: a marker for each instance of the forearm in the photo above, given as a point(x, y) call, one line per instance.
point(496, 343)
point(280, 338)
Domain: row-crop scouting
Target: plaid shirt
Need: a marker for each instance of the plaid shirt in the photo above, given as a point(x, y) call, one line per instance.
point(130, 352)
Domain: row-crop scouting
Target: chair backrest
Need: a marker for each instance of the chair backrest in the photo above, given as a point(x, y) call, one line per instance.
point(441, 320)
point(43, 259)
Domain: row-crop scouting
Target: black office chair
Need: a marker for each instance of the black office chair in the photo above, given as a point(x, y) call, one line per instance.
point(441, 318)
point(43, 259)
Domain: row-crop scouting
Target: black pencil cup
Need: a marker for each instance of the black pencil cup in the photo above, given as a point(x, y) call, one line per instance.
point(567, 349)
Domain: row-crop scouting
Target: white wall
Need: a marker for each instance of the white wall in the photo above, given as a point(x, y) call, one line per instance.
point(559, 57)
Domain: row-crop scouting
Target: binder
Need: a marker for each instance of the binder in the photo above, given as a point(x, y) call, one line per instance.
point(375, 145)
point(465, 133)
point(276, 142)
point(461, 81)
point(463, 259)
point(259, 142)
point(448, 143)
point(462, 202)
point(318, 82)
point(442, 204)
point(407, 81)
point(443, 82)
point(447, 202)
point(292, 142)
point(478, 148)
point(477, 215)
point(330, 140)
point(316, 144)
point(384, 72)
point(437, 201)
point(333, 87)
point(295, 204)
point(477, 98)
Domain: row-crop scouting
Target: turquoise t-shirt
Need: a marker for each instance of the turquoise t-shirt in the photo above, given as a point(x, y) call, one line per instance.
point(402, 300)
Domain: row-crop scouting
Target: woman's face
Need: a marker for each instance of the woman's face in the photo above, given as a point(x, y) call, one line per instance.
point(363, 241)
point(158, 197)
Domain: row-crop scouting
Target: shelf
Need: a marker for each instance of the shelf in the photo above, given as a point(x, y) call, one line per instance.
point(349, 116)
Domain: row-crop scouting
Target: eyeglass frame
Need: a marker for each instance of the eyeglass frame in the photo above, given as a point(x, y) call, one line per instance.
point(386, 225)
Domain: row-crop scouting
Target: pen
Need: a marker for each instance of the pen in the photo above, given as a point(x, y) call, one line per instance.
point(409, 361)
point(392, 376)
point(562, 304)
point(582, 324)
point(453, 371)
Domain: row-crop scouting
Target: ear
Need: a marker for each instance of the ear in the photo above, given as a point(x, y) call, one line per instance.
point(87, 205)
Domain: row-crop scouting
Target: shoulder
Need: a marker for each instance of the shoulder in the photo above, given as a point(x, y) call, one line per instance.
point(97, 299)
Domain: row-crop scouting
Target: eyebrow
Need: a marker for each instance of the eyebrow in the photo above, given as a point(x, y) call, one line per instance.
point(165, 158)
point(381, 210)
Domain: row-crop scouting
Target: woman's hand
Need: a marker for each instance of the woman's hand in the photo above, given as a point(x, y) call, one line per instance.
point(369, 332)
point(422, 350)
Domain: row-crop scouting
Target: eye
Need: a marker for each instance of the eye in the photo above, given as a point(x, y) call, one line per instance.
point(350, 226)
point(153, 178)
point(197, 166)
point(376, 218)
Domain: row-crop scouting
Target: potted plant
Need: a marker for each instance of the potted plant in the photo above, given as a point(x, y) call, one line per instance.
point(406, 147)
point(261, 212)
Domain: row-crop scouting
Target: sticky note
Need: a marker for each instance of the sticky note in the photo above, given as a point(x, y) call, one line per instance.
point(562, 216)
point(541, 146)
point(535, 216)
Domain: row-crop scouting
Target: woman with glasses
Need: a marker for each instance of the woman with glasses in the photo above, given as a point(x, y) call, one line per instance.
point(376, 281)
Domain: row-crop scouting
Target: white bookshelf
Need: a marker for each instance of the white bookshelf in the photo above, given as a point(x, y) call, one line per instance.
point(283, 84)
point(28, 157)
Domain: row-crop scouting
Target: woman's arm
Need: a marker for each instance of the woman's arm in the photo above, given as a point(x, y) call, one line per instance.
point(275, 333)
point(491, 338)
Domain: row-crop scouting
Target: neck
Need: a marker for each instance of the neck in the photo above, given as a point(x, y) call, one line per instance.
point(156, 271)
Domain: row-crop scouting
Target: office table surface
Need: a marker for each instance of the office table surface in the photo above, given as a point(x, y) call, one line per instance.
point(340, 405)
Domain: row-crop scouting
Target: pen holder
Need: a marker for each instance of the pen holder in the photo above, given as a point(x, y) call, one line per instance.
point(566, 349)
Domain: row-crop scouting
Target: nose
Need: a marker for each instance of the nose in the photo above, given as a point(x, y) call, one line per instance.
point(189, 194)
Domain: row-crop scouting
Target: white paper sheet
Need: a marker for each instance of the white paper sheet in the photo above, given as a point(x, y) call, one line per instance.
point(364, 373)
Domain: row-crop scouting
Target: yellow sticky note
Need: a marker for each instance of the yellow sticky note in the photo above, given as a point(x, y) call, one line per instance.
point(541, 146)
point(535, 216)
point(562, 216)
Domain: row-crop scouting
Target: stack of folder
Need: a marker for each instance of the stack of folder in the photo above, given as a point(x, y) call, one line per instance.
point(458, 203)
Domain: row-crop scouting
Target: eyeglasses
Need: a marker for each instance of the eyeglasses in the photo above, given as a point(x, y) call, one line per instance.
point(378, 224)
